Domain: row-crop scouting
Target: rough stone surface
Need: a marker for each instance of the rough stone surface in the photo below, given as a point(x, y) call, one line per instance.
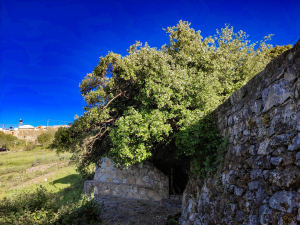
point(260, 180)
point(136, 181)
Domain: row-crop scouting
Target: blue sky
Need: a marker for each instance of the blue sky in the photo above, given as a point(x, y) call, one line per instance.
point(47, 47)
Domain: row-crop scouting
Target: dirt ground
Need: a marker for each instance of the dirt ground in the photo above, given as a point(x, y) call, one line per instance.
point(124, 211)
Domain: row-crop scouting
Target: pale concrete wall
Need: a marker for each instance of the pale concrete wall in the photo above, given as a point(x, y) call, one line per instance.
point(137, 181)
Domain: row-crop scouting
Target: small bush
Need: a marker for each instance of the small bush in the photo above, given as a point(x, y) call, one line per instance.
point(29, 147)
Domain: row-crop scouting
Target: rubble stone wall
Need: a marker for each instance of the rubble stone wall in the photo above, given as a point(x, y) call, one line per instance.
point(137, 181)
point(260, 181)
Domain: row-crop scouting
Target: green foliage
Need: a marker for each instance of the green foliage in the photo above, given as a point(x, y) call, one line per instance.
point(29, 147)
point(7, 140)
point(44, 207)
point(46, 138)
point(152, 100)
point(201, 141)
point(278, 50)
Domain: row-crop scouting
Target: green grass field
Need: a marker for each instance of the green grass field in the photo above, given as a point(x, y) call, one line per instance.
point(38, 162)
point(40, 187)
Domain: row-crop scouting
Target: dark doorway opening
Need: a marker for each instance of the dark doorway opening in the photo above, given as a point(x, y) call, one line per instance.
point(177, 171)
point(178, 179)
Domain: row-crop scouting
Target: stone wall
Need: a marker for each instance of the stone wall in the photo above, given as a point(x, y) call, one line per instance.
point(260, 181)
point(137, 181)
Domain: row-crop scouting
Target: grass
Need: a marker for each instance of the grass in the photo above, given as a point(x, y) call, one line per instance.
point(13, 166)
point(59, 200)
point(15, 161)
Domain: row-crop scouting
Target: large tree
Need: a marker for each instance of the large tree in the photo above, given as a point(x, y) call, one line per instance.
point(151, 101)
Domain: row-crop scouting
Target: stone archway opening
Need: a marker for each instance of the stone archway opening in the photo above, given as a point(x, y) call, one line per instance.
point(177, 173)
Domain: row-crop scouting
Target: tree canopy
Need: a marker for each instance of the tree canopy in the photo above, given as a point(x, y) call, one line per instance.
point(152, 100)
point(278, 50)
point(44, 138)
point(6, 140)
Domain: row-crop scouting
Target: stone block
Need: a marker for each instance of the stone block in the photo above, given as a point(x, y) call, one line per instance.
point(275, 95)
point(238, 191)
point(237, 151)
point(131, 180)
point(144, 171)
point(142, 191)
point(286, 178)
point(239, 216)
point(283, 201)
point(103, 178)
point(108, 163)
point(265, 214)
point(263, 148)
point(151, 173)
point(255, 174)
point(295, 143)
point(279, 151)
point(150, 182)
point(150, 193)
point(139, 181)
point(156, 197)
point(298, 156)
point(160, 185)
point(146, 179)
point(288, 158)
point(279, 140)
point(238, 95)
point(289, 75)
point(252, 150)
point(253, 220)
point(117, 180)
point(130, 195)
point(257, 107)
point(135, 189)
point(156, 177)
point(259, 195)
point(140, 166)
point(276, 160)
point(109, 179)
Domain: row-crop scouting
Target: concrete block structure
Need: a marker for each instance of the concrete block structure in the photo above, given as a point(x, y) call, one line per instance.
point(137, 181)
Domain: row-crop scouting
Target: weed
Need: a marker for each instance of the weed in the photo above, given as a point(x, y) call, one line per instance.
point(173, 219)
point(251, 123)
point(42, 206)
point(266, 120)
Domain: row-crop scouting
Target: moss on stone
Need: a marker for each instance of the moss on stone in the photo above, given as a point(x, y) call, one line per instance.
point(287, 219)
point(266, 120)
point(251, 123)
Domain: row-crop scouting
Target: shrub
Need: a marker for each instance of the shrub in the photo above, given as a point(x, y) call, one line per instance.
point(44, 138)
point(44, 207)
point(29, 147)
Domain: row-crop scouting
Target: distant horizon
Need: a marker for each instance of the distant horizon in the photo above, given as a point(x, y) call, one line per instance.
point(37, 123)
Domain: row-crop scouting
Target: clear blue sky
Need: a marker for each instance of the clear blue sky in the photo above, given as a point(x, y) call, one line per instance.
point(47, 47)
